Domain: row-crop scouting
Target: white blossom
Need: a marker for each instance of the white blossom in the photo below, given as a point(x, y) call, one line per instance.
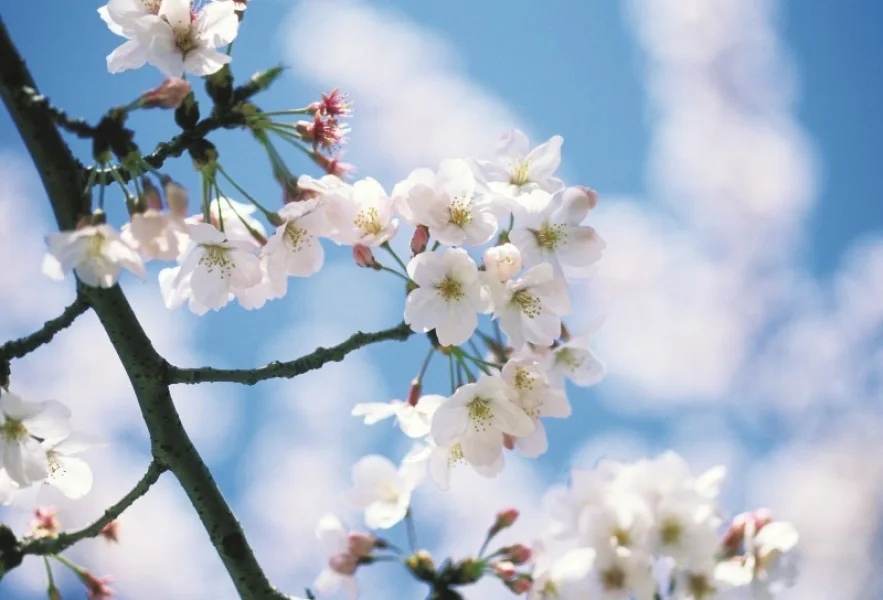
point(443, 459)
point(341, 564)
point(449, 296)
point(548, 229)
point(574, 360)
point(183, 38)
point(294, 249)
point(445, 202)
point(384, 491)
point(518, 169)
point(502, 262)
point(127, 18)
point(212, 271)
point(532, 392)
point(621, 574)
point(21, 424)
point(530, 308)
point(562, 575)
point(770, 562)
point(477, 416)
point(95, 253)
point(360, 214)
point(156, 235)
point(414, 421)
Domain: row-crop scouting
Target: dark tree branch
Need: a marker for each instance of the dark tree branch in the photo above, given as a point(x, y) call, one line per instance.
point(22, 346)
point(79, 127)
point(64, 541)
point(146, 369)
point(309, 362)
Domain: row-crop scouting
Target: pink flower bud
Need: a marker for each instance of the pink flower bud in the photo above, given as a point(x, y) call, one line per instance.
point(585, 198)
point(508, 441)
point(502, 262)
point(176, 197)
point(170, 94)
point(360, 544)
point(332, 165)
point(420, 239)
point(150, 196)
point(414, 392)
point(518, 553)
point(505, 519)
point(110, 532)
point(364, 257)
point(521, 585)
point(344, 564)
point(504, 569)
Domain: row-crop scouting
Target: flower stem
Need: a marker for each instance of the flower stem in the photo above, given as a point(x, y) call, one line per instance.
point(412, 531)
point(388, 248)
point(394, 272)
point(451, 366)
point(50, 578)
point(425, 363)
point(260, 207)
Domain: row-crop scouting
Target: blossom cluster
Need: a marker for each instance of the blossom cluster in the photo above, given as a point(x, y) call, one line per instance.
point(37, 446)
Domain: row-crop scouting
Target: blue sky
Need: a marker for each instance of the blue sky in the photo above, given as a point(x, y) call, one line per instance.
point(735, 152)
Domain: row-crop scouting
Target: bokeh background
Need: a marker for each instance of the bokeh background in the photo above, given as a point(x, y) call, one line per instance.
point(736, 148)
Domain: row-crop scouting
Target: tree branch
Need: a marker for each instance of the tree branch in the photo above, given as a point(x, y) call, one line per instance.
point(309, 362)
point(147, 370)
point(64, 541)
point(22, 346)
point(78, 127)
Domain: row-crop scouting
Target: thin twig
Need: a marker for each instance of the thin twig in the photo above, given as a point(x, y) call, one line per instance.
point(45, 546)
point(293, 368)
point(22, 346)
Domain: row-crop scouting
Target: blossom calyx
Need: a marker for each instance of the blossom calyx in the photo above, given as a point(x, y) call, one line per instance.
point(219, 86)
point(467, 571)
point(187, 113)
point(421, 566)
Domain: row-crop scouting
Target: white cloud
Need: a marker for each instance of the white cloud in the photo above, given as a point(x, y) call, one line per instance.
point(414, 106)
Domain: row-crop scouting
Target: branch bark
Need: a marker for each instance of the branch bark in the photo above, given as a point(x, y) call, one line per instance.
point(309, 362)
point(22, 346)
point(146, 369)
point(44, 546)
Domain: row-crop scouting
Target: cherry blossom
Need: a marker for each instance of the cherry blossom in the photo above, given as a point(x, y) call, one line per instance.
point(126, 18)
point(384, 491)
point(560, 575)
point(502, 262)
point(183, 39)
point(213, 270)
point(342, 563)
point(449, 296)
point(155, 234)
point(548, 229)
point(95, 253)
point(22, 425)
point(445, 202)
point(530, 308)
point(414, 421)
point(477, 416)
point(442, 460)
point(360, 214)
point(532, 392)
point(518, 169)
point(575, 361)
point(295, 249)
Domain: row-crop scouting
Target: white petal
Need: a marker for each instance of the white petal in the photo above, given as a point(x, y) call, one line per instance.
point(205, 61)
point(72, 476)
point(130, 55)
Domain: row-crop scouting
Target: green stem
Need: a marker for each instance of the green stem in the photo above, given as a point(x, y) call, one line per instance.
point(388, 248)
point(260, 207)
point(451, 367)
point(282, 113)
point(50, 578)
point(394, 272)
point(412, 531)
point(425, 364)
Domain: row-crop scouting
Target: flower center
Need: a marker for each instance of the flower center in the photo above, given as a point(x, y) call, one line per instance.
point(518, 173)
point(450, 289)
point(529, 304)
point(215, 258)
point(549, 236)
point(622, 536)
point(523, 379)
point(54, 463)
point(94, 246)
point(550, 590)
point(368, 220)
point(185, 38)
point(699, 586)
point(295, 236)
point(569, 359)
point(460, 212)
point(152, 6)
point(390, 492)
point(455, 455)
point(670, 531)
point(13, 431)
point(613, 578)
point(480, 413)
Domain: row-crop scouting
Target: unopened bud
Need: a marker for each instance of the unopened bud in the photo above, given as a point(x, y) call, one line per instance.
point(505, 519)
point(111, 532)
point(518, 553)
point(53, 593)
point(508, 441)
point(187, 113)
point(502, 262)
point(150, 195)
point(420, 240)
point(263, 80)
point(176, 197)
point(360, 544)
point(467, 571)
point(170, 94)
point(580, 197)
point(344, 564)
point(364, 257)
point(504, 569)
point(219, 86)
point(421, 566)
point(203, 153)
point(521, 584)
point(414, 392)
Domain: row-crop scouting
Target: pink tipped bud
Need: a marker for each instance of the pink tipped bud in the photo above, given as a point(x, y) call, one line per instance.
point(111, 532)
point(150, 197)
point(332, 165)
point(518, 553)
point(176, 197)
point(504, 569)
point(420, 240)
point(364, 257)
point(508, 441)
point(170, 94)
point(521, 584)
point(45, 522)
point(344, 564)
point(505, 519)
point(414, 392)
point(360, 544)
point(581, 196)
point(97, 588)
